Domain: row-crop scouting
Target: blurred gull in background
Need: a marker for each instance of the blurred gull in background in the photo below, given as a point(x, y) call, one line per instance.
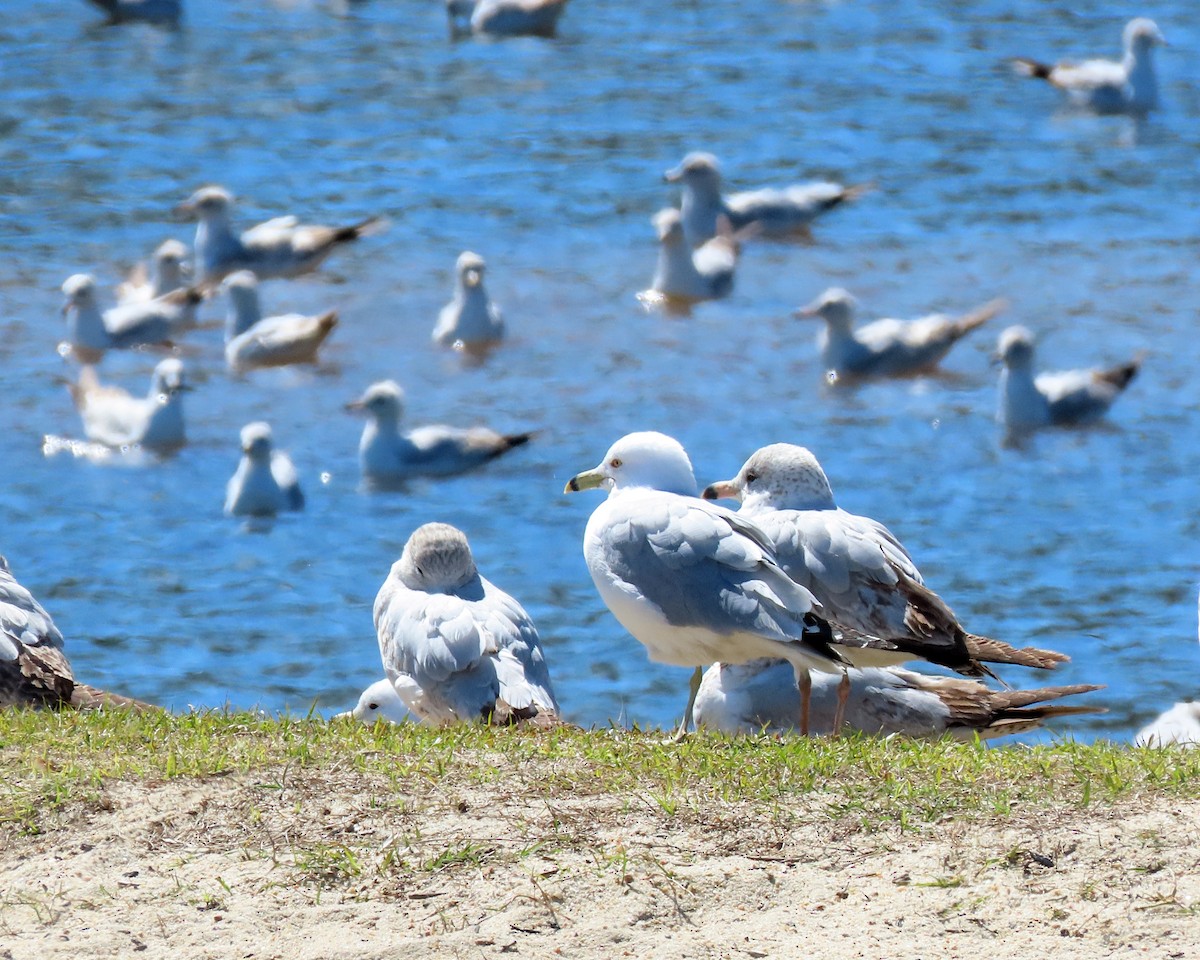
point(470, 322)
point(252, 341)
point(168, 271)
point(156, 322)
point(684, 276)
point(265, 482)
point(113, 417)
point(505, 18)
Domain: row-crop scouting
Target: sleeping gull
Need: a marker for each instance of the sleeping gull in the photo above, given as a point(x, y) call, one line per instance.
point(761, 695)
point(505, 18)
point(154, 322)
point(1180, 724)
point(1106, 86)
point(470, 322)
point(161, 12)
point(455, 646)
point(254, 341)
point(895, 348)
point(265, 481)
point(167, 271)
point(771, 212)
point(684, 276)
point(389, 457)
point(113, 417)
point(282, 247)
point(693, 582)
point(1062, 398)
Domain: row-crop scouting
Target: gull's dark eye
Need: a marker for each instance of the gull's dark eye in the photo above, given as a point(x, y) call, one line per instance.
point(615, 462)
point(372, 706)
point(751, 477)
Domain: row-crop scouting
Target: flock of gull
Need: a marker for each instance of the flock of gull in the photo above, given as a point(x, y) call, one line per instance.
point(794, 614)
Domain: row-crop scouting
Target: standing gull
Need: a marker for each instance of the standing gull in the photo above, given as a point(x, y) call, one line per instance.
point(505, 18)
point(115, 418)
point(167, 271)
point(684, 276)
point(895, 348)
point(470, 322)
point(253, 341)
point(455, 646)
point(265, 482)
point(693, 582)
point(155, 322)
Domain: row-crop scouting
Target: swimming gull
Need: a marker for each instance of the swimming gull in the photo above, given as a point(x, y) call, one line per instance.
point(389, 457)
point(282, 247)
point(470, 322)
point(761, 695)
point(454, 645)
point(252, 341)
point(113, 417)
point(693, 582)
point(505, 18)
point(771, 212)
point(1107, 86)
point(155, 322)
point(379, 701)
point(265, 481)
point(684, 276)
point(161, 12)
point(895, 348)
point(1061, 398)
point(168, 271)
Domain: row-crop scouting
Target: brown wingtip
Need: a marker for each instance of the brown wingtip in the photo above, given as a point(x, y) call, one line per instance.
point(997, 651)
point(327, 321)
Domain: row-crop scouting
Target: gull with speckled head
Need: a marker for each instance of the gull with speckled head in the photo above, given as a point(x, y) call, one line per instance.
point(265, 482)
point(693, 582)
point(455, 646)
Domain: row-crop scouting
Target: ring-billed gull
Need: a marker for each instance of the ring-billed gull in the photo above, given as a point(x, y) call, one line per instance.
point(693, 582)
point(113, 417)
point(888, 348)
point(505, 18)
point(772, 212)
point(151, 322)
point(1106, 86)
point(168, 270)
point(684, 276)
point(265, 481)
point(379, 701)
point(161, 12)
point(470, 322)
point(254, 341)
point(389, 457)
point(282, 247)
point(455, 646)
point(1061, 398)
point(761, 695)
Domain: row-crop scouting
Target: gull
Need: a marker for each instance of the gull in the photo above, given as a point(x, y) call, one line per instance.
point(282, 247)
point(167, 271)
point(389, 457)
point(470, 322)
point(895, 348)
point(684, 276)
point(379, 701)
point(1180, 724)
point(152, 322)
point(252, 341)
point(113, 417)
point(265, 481)
point(693, 582)
point(454, 645)
point(1062, 398)
point(771, 212)
point(761, 696)
point(162, 12)
point(1106, 86)
point(505, 18)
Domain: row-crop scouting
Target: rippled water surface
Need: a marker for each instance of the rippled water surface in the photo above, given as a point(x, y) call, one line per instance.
point(546, 157)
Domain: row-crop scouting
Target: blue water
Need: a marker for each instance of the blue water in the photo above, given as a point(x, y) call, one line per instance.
point(546, 157)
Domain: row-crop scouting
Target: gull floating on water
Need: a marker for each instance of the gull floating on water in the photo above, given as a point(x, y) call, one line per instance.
point(761, 695)
point(693, 582)
point(282, 247)
point(156, 322)
point(265, 482)
point(470, 322)
point(161, 12)
point(168, 271)
point(684, 276)
point(455, 646)
point(1062, 398)
point(769, 212)
point(505, 18)
point(389, 457)
point(895, 348)
point(379, 701)
point(252, 341)
point(1107, 86)
point(113, 417)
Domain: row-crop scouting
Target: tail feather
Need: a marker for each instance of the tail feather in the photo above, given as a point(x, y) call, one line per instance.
point(1032, 68)
point(979, 316)
point(364, 228)
point(852, 193)
point(516, 440)
point(327, 321)
point(997, 651)
point(1120, 375)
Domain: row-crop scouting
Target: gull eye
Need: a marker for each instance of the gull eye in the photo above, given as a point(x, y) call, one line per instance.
point(751, 477)
point(615, 462)
point(372, 706)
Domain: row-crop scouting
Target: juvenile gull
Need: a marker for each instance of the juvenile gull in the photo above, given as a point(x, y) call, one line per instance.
point(761, 695)
point(505, 18)
point(154, 322)
point(470, 322)
point(253, 341)
point(167, 271)
point(895, 348)
point(1062, 398)
point(684, 276)
point(265, 481)
point(693, 582)
point(161, 12)
point(389, 457)
point(282, 247)
point(455, 646)
point(379, 701)
point(771, 212)
point(1107, 86)
point(113, 417)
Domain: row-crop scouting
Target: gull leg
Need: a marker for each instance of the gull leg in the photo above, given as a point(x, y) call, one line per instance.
point(804, 685)
point(693, 689)
point(843, 695)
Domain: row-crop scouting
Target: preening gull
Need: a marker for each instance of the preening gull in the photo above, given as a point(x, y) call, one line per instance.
point(379, 701)
point(770, 212)
point(684, 276)
point(454, 645)
point(282, 247)
point(895, 348)
point(161, 12)
point(389, 457)
point(155, 322)
point(505, 18)
point(265, 482)
point(761, 695)
point(693, 582)
point(253, 341)
point(168, 271)
point(1107, 86)
point(1062, 398)
point(470, 322)
point(113, 417)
